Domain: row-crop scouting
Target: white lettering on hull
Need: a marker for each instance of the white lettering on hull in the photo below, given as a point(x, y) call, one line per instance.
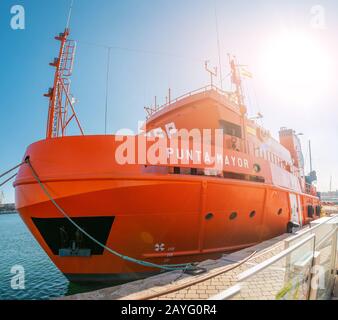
point(199, 157)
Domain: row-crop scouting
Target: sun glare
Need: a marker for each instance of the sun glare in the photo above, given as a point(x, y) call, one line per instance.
point(296, 67)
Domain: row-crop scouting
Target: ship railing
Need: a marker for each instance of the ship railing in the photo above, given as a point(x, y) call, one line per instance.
point(309, 189)
point(304, 270)
point(320, 229)
point(152, 110)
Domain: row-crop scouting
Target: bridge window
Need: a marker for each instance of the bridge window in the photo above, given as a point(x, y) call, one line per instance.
point(231, 129)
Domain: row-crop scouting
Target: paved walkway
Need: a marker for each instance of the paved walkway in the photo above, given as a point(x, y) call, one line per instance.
point(335, 291)
point(209, 288)
point(160, 284)
point(274, 282)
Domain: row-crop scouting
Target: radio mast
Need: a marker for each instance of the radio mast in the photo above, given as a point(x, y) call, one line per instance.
point(310, 154)
point(213, 73)
point(60, 98)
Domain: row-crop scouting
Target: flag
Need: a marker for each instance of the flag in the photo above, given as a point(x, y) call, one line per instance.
point(251, 130)
point(245, 73)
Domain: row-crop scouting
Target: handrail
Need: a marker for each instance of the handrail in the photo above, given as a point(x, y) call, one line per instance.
point(152, 111)
point(230, 292)
point(226, 294)
point(252, 271)
point(329, 235)
point(298, 235)
point(234, 290)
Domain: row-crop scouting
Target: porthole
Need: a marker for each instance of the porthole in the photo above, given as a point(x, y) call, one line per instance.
point(233, 216)
point(280, 211)
point(177, 170)
point(252, 214)
point(257, 167)
point(193, 171)
point(310, 211)
point(209, 216)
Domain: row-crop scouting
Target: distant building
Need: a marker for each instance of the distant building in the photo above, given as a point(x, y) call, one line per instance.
point(2, 198)
point(331, 196)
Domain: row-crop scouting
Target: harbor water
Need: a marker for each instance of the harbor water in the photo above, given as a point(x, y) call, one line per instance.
point(42, 280)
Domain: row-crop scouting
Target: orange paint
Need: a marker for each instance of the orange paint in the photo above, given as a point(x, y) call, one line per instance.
point(166, 214)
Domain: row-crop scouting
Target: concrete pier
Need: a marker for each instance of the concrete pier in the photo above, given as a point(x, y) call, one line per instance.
point(160, 286)
point(7, 208)
point(221, 275)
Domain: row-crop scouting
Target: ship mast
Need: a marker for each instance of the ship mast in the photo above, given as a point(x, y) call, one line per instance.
point(60, 98)
point(236, 80)
point(312, 175)
point(310, 154)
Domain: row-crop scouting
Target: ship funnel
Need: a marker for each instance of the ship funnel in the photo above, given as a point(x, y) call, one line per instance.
point(290, 140)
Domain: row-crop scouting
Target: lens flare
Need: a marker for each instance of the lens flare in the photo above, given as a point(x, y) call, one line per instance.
point(296, 67)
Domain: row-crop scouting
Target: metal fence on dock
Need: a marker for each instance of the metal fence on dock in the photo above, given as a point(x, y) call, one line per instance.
point(304, 270)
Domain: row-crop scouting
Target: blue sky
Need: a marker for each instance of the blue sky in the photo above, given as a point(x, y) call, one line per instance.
point(168, 41)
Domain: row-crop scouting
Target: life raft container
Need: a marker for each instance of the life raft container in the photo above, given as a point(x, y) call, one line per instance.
point(263, 134)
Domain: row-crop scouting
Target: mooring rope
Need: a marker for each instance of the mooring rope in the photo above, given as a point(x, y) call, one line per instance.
point(210, 275)
point(10, 170)
point(172, 267)
point(7, 180)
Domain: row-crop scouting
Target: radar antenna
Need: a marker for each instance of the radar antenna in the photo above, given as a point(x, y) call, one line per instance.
point(213, 73)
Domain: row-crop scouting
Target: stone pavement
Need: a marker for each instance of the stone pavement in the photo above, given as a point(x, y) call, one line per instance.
point(160, 284)
point(209, 288)
point(271, 283)
point(335, 291)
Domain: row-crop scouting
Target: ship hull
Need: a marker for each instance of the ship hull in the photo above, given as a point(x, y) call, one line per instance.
point(158, 218)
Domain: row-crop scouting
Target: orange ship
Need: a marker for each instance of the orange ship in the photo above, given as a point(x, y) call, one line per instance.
point(171, 211)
